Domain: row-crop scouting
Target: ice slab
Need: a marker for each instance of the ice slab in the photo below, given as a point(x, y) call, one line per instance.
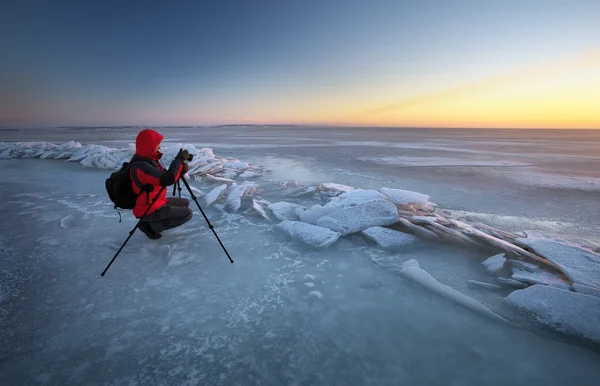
point(234, 197)
point(587, 290)
point(389, 238)
point(360, 217)
point(285, 210)
point(249, 174)
point(214, 194)
point(332, 187)
point(566, 311)
point(580, 265)
point(412, 271)
point(539, 277)
point(485, 285)
point(354, 197)
point(494, 264)
point(309, 234)
point(312, 215)
point(511, 283)
point(405, 197)
point(524, 265)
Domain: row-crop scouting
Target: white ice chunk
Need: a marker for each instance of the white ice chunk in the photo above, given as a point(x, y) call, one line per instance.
point(580, 265)
point(539, 277)
point(236, 164)
point(389, 238)
point(411, 263)
point(309, 234)
point(214, 194)
point(360, 217)
point(495, 264)
point(485, 285)
point(587, 290)
point(285, 210)
point(566, 311)
point(312, 215)
point(354, 197)
point(249, 174)
point(330, 186)
point(405, 197)
point(210, 177)
point(421, 277)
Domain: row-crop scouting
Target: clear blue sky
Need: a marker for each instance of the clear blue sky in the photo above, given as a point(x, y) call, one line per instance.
point(199, 62)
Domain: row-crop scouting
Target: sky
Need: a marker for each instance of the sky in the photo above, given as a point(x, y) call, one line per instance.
point(430, 63)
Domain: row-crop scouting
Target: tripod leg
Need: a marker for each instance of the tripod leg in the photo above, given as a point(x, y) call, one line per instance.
point(205, 218)
point(133, 230)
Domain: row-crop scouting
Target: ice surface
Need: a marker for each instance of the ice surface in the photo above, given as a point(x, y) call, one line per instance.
point(412, 271)
point(494, 264)
point(285, 210)
point(389, 238)
point(405, 197)
point(175, 311)
point(360, 217)
point(309, 234)
point(566, 311)
point(580, 265)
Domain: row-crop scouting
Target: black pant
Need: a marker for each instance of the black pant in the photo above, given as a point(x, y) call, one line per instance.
point(174, 213)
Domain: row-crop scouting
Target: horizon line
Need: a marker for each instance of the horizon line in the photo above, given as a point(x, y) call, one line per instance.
point(2, 127)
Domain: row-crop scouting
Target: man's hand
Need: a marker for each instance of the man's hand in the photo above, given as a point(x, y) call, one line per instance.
point(183, 155)
point(184, 168)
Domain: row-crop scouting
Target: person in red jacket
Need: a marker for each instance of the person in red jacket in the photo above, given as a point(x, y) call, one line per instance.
point(148, 177)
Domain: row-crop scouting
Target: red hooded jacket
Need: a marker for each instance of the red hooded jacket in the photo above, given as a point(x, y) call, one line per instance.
point(146, 171)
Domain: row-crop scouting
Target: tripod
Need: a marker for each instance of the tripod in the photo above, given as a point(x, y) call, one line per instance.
point(149, 206)
point(212, 228)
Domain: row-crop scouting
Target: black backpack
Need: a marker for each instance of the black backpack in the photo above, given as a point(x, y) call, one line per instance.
point(119, 188)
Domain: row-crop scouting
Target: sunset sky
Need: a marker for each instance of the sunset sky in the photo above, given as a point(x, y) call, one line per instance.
point(511, 63)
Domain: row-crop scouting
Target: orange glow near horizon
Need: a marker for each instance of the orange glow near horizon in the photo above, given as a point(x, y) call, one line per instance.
point(564, 94)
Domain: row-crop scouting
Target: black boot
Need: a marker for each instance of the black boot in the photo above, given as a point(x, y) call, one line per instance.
point(147, 229)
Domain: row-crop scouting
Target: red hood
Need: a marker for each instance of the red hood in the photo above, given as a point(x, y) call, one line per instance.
point(145, 143)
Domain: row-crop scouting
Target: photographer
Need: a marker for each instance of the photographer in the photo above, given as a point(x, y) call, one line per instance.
point(148, 176)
